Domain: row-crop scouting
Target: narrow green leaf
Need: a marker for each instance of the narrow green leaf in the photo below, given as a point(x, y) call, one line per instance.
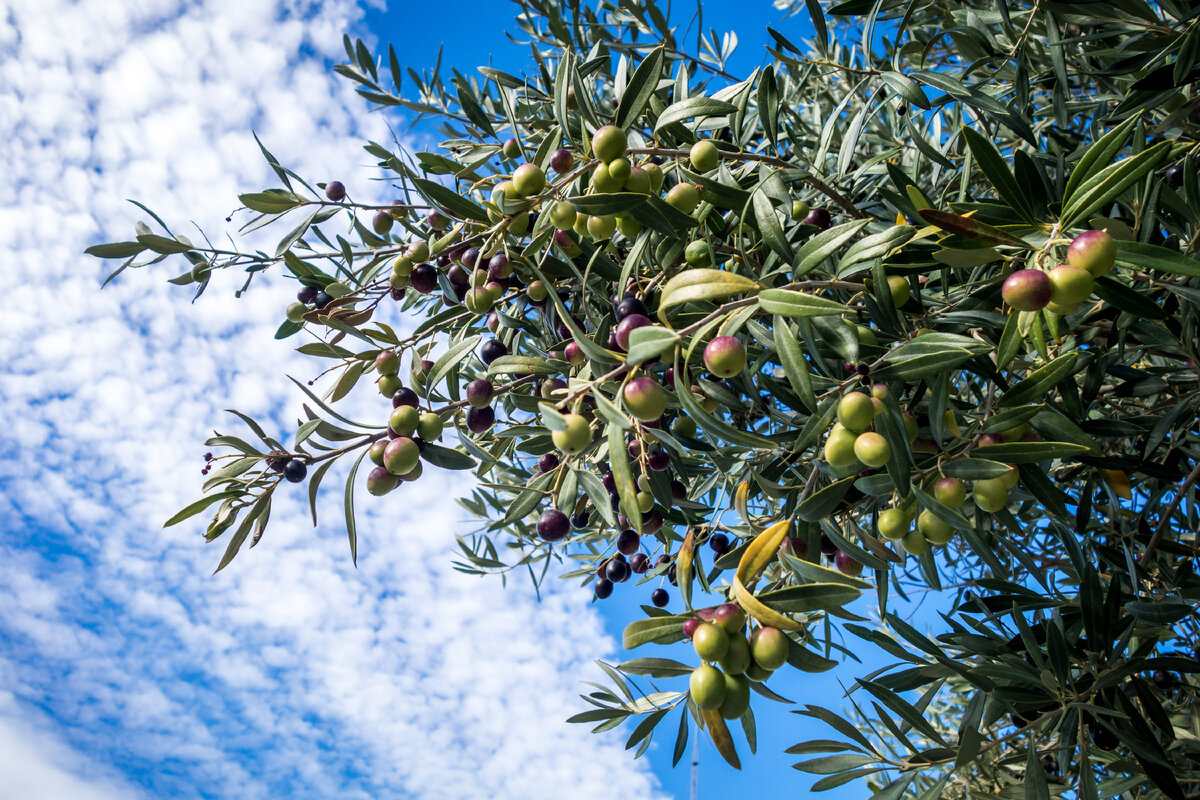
point(825, 244)
point(640, 88)
point(791, 303)
point(1097, 192)
point(693, 107)
point(351, 524)
point(618, 461)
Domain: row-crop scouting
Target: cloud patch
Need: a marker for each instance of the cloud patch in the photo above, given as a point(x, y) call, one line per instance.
point(290, 673)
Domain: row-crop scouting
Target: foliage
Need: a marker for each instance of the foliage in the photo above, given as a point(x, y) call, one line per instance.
point(870, 195)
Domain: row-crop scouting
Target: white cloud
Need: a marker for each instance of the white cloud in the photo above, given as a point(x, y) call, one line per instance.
point(290, 672)
point(34, 763)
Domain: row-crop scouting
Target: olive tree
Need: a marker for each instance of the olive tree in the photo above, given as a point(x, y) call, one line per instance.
point(913, 307)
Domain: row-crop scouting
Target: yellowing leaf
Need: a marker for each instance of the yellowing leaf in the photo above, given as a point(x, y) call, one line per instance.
point(1118, 481)
point(760, 611)
point(719, 732)
point(741, 500)
point(761, 551)
point(683, 568)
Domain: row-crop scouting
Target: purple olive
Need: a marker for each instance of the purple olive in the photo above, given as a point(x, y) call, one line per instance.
point(819, 217)
point(335, 191)
point(627, 326)
point(628, 542)
point(553, 525)
point(480, 419)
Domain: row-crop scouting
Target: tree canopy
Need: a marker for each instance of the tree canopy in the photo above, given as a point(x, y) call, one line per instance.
point(912, 307)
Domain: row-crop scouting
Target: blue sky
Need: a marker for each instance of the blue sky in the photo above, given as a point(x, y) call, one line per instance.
point(126, 669)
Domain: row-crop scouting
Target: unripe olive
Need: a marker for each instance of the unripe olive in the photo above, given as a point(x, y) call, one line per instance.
point(507, 198)
point(537, 291)
point(684, 426)
point(645, 501)
point(856, 412)
point(1010, 478)
point(914, 542)
point(429, 426)
point(900, 289)
point(628, 226)
point(511, 148)
point(1027, 290)
point(601, 227)
point(910, 426)
point(1015, 433)
point(865, 335)
point(619, 169)
point(563, 215)
point(295, 312)
point(697, 253)
point(711, 641)
point(418, 251)
point(799, 209)
point(769, 646)
point(725, 356)
point(609, 143)
point(737, 658)
point(893, 523)
point(1095, 251)
point(575, 437)
point(581, 224)
point(479, 300)
point(839, 448)
point(872, 449)
point(638, 181)
point(375, 451)
point(656, 177)
point(737, 696)
point(1063, 309)
point(950, 423)
point(645, 399)
point(401, 455)
point(934, 528)
point(990, 495)
point(389, 385)
point(603, 182)
point(403, 420)
point(757, 673)
point(1070, 285)
point(707, 687)
point(528, 179)
point(684, 197)
point(704, 155)
point(950, 492)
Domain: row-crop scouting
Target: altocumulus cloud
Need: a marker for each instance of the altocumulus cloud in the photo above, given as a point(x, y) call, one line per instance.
point(128, 671)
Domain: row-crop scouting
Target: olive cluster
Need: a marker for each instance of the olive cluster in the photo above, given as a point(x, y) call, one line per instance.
point(1063, 289)
point(397, 455)
point(731, 659)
